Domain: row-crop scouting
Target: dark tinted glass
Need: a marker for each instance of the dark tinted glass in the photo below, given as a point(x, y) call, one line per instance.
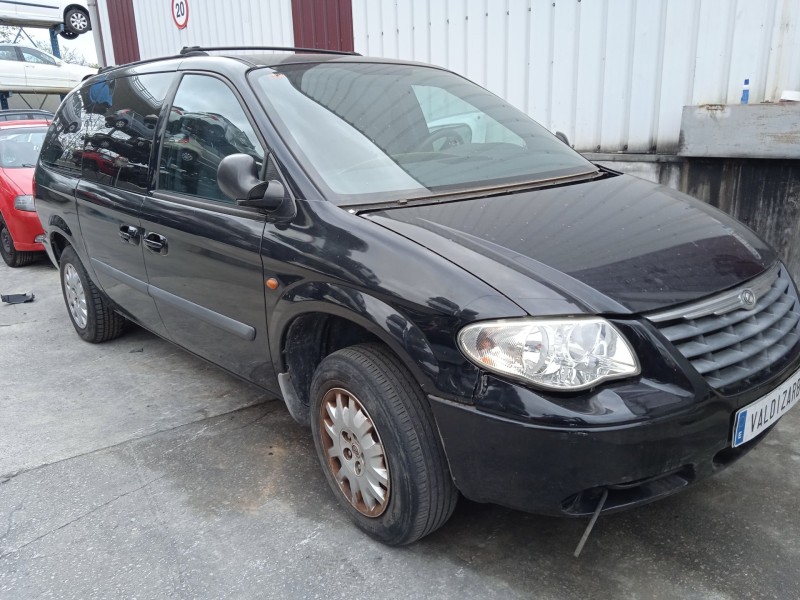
point(119, 128)
point(206, 124)
point(64, 143)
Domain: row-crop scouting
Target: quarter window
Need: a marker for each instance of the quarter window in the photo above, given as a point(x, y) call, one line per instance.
point(63, 146)
point(206, 124)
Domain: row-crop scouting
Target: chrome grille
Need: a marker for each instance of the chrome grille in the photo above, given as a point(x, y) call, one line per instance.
point(727, 343)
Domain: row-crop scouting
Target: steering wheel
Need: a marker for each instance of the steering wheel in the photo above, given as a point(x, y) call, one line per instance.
point(451, 135)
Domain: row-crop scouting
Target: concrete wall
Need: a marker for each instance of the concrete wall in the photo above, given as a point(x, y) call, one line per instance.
point(49, 102)
point(763, 194)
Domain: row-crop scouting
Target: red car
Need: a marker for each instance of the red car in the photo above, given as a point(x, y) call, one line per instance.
point(20, 142)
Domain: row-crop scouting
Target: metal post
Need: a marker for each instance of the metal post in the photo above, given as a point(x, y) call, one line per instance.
point(54, 31)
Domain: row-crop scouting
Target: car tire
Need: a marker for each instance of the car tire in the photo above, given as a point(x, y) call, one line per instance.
point(76, 21)
point(89, 310)
point(68, 35)
point(374, 430)
point(13, 258)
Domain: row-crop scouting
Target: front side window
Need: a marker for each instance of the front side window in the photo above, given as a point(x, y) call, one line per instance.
point(119, 128)
point(373, 131)
point(34, 56)
point(206, 123)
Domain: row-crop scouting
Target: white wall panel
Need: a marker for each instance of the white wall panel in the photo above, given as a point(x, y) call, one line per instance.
point(212, 23)
point(611, 74)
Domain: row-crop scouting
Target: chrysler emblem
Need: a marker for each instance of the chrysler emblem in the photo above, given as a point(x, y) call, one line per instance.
point(747, 298)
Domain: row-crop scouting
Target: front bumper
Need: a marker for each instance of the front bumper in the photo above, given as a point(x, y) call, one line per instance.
point(24, 228)
point(642, 440)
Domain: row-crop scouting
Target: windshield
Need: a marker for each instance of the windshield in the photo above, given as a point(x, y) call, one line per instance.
point(371, 131)
point(19, 147)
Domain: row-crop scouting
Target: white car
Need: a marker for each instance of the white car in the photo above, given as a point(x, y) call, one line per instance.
point(25, 69)
point(74, 14)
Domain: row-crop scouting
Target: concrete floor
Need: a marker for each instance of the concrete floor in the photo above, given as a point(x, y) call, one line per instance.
point(133, 470)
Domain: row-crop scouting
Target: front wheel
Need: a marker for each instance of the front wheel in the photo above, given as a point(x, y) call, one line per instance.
point(376, 439)
point(90, 312)
point(13, 257)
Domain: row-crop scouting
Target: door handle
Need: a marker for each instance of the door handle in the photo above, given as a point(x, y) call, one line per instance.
point(129, 234)
point(155, 242)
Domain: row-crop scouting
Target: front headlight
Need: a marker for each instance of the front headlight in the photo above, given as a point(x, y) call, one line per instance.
point(558, 354)
point(24, 203)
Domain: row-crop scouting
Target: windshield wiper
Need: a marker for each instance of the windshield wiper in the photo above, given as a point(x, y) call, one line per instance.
point(504, 189)
point(26, 165)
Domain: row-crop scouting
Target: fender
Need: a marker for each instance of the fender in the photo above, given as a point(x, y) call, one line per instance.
point(444, 372)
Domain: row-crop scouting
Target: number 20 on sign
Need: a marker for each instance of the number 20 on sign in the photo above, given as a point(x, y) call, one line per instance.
point(180, 12)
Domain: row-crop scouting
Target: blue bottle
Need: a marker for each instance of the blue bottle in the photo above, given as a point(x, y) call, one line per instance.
point(745, 92)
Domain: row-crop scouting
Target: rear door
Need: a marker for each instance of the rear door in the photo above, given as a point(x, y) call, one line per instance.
point(12, 68)
point(114, 181)
point(202, 252)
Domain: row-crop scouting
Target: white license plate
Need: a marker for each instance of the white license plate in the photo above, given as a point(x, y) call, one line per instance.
point(755, 418)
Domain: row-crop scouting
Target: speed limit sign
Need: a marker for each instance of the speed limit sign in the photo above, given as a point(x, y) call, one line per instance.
point(180, 12)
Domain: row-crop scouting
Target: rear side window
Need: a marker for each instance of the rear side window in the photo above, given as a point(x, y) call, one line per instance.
point(8, 53)
point(119, 129)
point(62, 147)
point(206, 124)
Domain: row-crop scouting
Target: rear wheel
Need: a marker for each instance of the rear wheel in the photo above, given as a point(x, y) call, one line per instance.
point(76, 21)
point(13, 257)
point(376, 439)
point(90, 312)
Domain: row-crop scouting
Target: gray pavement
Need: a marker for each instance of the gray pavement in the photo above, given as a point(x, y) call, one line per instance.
point(133, 470)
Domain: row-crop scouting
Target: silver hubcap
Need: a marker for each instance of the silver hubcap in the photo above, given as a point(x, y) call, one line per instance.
point(76, 298)
point(78, 21)
point(355, 452)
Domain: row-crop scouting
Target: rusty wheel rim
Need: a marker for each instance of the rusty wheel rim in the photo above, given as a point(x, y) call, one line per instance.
point(354, 452)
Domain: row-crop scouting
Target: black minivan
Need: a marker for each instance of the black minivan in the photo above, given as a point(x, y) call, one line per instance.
point(452, 298)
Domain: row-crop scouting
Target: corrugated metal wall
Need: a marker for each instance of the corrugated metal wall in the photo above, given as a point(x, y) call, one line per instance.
point(612, 74)
point(324, 24)
point(213, 23)
point(122, 20)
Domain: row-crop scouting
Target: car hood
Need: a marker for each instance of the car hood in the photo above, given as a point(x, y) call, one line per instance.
point(78, 71)
point(20, 179)
point(616, 245)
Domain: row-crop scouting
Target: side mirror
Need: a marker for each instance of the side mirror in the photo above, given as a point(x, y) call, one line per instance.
point(237, 176)
point(563, 137)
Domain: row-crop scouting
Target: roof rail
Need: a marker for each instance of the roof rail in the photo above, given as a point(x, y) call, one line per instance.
point(204, 50)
